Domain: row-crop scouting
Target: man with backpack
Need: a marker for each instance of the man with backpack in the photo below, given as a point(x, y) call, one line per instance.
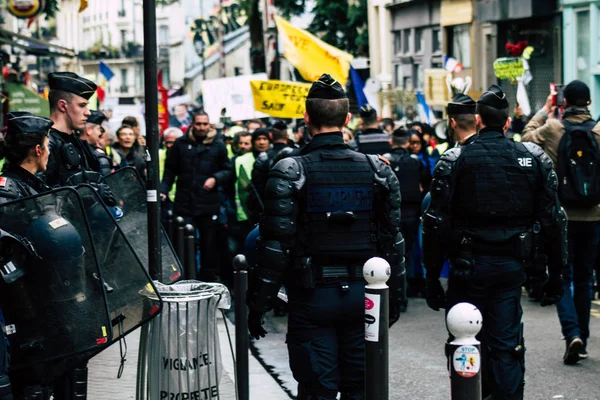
point(573, 144)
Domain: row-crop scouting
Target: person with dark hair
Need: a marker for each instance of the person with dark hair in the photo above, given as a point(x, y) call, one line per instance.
point(25, 148)
point(418, 147)
point(486, 197)
point(301, 136)
point(327, 211)
point(200, 164)
point(126, 150)
point(371, 139)
point(140, 140)
point(388, 125)
point(546, 130)
point(92, 135)
point(461, 119)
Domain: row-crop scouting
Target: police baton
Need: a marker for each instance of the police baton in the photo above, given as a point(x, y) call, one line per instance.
point(464, 353)
point(377, 295)
point(242, 340)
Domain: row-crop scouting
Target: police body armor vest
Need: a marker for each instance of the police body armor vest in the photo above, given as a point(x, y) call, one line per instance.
point(408, 171)
point(71, 157)
point(337, 226)
point(494, 186)
point(373, 143)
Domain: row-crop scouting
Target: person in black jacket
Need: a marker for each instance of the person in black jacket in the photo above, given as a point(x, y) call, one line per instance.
point(371, 139)
point(199, 163)
point(92, 134)
point(327, 211)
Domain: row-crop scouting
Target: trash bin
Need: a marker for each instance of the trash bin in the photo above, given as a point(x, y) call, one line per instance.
point(180, 356)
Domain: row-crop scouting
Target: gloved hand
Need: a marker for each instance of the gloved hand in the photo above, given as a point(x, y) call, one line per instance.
point(255, 321)
point(394, 314)
point(106, 194)
point(434, 294)
point(552, 291)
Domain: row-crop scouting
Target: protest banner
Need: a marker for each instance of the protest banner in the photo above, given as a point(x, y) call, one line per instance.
point(280, 99)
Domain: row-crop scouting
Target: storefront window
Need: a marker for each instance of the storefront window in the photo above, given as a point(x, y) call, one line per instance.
point(582, 63)
point(461, 44)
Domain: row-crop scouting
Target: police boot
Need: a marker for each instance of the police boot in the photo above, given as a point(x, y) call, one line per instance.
point(72, 386)
point(5, 388)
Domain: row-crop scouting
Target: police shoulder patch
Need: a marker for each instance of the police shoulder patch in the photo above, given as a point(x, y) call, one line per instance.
point(2, 181)
point(385, 160)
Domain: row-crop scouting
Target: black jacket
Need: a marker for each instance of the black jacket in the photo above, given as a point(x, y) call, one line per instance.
point(17, 183)
point(192, 163)
point(69, 155)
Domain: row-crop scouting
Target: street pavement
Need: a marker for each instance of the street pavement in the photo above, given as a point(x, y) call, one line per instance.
point(418, 365)
point(104, 385)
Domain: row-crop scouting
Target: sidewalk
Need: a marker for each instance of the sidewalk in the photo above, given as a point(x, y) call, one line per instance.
point(104, 385)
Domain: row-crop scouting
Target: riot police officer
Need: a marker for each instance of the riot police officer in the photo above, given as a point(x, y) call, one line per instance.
point(70, 158)
point(92, 135)
point(371, 139)
point(327, 211)
point(485, 199)
point(25, 148)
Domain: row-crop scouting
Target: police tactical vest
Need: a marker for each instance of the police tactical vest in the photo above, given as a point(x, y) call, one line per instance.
point(373, 143)
point(408, 172)
point(494, 184)
point(336, 224)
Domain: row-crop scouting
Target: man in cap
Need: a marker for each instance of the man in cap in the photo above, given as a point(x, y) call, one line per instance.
point(69, 155)
point(92, 134)
point(327, 211)
point(485, 199)
point(546, 130)
point(371, 139)
point(461, 119)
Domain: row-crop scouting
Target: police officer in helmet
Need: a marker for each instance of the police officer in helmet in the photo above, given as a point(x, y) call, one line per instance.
point(327, 211)
point(485, 199)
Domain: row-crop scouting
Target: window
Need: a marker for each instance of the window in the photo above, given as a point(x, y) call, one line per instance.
point(406, 41)
point(582, 63)
point(163, 35)
point(419, 41)
point(436, 42)
point(123, 37)
point(397, 42)
point(461, 44)
point(124, 84)
point(398, 75)
point(407, 83)
point(419, 75)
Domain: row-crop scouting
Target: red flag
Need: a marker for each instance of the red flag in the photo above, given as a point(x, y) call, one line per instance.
point(101, 94)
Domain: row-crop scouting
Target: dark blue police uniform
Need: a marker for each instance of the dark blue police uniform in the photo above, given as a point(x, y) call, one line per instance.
point(485, 198)
point(327, 211)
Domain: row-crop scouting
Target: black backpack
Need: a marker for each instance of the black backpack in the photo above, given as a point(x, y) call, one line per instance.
point(578, 166)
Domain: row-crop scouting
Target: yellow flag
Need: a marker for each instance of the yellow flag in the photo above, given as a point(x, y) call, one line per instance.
point(83, 5)
point(312, 56)
point(280, 99)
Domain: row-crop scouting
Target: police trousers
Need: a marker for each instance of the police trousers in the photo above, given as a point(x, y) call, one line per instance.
point(326, 341)
point(493, 285)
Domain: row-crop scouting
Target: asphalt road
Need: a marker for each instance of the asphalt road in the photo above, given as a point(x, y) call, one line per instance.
point(418, 366)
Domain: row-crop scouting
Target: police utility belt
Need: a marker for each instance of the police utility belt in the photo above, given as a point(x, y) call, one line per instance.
point(306, 275)
point(520, 246)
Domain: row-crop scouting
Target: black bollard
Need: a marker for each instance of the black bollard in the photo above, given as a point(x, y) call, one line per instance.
point(240, 268)
point(189, 262)
point(170, 228)
point(376, 272)
point(179, 243)
point(464, 353)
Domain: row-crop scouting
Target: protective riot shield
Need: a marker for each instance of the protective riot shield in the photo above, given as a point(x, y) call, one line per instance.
point(124, 277)
point(128, 189)
point(51, 291)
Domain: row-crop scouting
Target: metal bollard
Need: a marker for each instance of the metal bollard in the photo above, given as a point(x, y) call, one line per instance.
point(464, 321)
point(240, 268)
point(376, 272)
point(170, 226)
point(179, 244)
point(189, 262)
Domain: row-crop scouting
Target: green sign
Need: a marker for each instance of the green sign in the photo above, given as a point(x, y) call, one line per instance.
point(21, 98)
point(509, 68)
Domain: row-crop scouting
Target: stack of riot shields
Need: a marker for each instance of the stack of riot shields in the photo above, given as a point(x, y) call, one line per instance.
point(130, 193)
point(72, 282)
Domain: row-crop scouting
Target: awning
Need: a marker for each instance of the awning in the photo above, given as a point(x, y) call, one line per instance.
point(34, 46)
